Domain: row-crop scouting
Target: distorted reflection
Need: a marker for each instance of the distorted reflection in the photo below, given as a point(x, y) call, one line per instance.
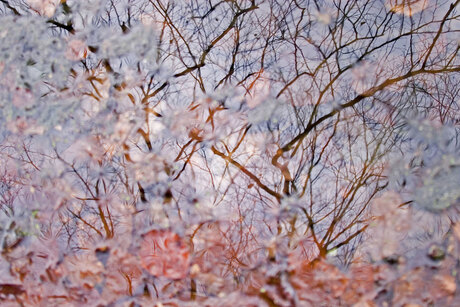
point(218, 153)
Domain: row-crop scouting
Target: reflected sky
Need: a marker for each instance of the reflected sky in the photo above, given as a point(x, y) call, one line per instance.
point(214, 152)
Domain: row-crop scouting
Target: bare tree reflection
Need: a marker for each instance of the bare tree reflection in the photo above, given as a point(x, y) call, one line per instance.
point(257, 142)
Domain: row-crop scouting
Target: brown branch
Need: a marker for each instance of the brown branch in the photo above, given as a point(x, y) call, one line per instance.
point(247, 173)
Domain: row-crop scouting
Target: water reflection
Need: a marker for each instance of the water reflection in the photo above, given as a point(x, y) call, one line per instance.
point(238, 152)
